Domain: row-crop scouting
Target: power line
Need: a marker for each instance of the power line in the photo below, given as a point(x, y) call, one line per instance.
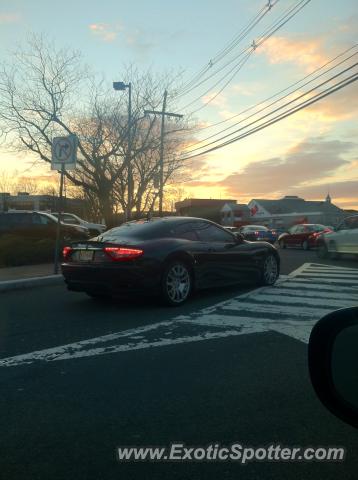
point(273, 103)
point(278, 93)
point(225, 50)
point(265, 36)
point(319, 96)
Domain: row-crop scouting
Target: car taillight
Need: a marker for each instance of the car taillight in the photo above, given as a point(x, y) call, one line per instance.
point(66, 252)
point(121, 253)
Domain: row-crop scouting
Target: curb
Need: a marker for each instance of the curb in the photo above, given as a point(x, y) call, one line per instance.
point(32, 282)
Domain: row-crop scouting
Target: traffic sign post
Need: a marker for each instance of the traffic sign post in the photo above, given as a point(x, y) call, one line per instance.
point(64, 156)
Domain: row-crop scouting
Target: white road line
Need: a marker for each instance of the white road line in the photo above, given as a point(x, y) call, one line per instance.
point(279, 308)
point(307, 285)
point(335, 270)
point(292, 314)
point(56, 354)
point(329, 275)
point(303, 294)
point(280, 300)
point(305, 278)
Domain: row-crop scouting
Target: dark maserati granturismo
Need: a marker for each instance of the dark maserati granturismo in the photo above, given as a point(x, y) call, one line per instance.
point(171, 256)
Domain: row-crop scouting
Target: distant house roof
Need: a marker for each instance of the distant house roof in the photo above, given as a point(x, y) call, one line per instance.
point(202, 202)
point(237, 207)
point(293, 204)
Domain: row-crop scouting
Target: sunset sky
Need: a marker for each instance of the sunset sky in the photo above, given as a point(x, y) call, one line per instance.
point(307, 154)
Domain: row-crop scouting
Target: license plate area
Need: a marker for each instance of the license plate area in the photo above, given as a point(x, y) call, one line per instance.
point(84, 255)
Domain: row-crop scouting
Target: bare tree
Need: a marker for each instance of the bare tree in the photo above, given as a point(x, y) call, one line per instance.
point(7, 184)
point(47, 92)
point(27, 184)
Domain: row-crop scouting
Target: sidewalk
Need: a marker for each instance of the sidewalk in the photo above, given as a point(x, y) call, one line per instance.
point(25, 272)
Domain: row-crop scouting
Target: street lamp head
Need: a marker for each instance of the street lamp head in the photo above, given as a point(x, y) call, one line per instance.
point(119, 85)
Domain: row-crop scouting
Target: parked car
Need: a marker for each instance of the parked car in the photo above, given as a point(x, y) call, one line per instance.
point(342, 240)
point(34, 224)
point(170, 256)
point(258, 232)
point(72, 219)
point(304, 235)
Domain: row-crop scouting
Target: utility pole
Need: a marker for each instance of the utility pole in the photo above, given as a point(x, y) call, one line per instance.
point(124, 86)
point(163, 114)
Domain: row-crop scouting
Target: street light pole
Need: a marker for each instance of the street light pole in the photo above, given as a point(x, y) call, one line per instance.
point(161, 157)
point(124, 86)
point(129, 154)
point(163, 114)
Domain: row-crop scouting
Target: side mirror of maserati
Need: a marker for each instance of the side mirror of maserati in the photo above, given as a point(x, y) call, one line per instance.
point(333, 363)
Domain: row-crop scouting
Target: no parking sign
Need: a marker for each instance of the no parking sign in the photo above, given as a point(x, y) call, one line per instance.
point(64, 153)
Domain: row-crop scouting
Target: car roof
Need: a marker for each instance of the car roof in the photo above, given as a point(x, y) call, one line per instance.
point(174, 219)
point(254, 226)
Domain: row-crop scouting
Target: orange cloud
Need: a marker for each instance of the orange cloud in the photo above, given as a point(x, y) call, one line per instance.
point(9, 18)
point(104, 31)
point(306, 53)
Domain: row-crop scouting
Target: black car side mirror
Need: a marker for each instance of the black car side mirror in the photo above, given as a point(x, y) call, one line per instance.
point(239, 237)
point(333, 363)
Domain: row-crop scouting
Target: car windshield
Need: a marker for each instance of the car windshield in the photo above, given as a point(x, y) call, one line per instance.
point(315, 228)
point(140, 230)
point(258, 228)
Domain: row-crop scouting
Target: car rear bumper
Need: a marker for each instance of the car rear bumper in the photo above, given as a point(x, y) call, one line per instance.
point(112, 279)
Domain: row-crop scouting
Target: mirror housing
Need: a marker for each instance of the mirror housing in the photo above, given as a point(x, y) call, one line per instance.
point(333, 363)
point(239, 237)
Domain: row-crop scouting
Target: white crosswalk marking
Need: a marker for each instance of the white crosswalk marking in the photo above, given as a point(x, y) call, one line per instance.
point(291, 307)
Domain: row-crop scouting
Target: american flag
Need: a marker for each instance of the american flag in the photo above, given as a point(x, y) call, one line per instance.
point(254, 210)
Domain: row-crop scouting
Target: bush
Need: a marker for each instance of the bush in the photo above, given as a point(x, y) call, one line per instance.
point(15, 250)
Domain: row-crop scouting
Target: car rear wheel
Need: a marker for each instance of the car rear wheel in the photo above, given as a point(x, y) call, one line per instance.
point(322, 251)
point(99, 296)
point(305, 245)
point(177, 283)
point(270, 270)
point(333, 254)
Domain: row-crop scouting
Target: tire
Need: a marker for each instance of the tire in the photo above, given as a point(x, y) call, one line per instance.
point(333, 255)
point(282, 244)
point(322, 251)
point(177, 283)
point(270, 270)
point(100, 297)
point(305, 245)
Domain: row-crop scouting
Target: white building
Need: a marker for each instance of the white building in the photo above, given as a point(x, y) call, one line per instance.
point(292, 209)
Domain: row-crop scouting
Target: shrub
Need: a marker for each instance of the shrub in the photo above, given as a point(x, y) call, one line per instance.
point(15, 250)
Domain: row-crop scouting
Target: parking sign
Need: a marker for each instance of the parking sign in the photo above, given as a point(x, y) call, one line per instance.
point(64, 153)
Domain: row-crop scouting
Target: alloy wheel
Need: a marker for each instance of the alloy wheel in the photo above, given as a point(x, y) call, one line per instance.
point(270, 272)
point(178, 283)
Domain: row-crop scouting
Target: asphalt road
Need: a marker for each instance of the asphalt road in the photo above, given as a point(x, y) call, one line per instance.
point(227, 369)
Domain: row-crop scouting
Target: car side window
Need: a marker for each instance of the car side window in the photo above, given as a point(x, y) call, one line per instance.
point(207, 232)
point(343, 225)
point(292, 230)
point(300, 229)
point(352, 223)
point(43, 220)
point(21, 219)
point(185, 231)
point(70, 219)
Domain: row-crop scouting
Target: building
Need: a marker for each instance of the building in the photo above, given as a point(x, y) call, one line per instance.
point(235, 214)
point(24, 201)
point(209, 208)
point(291, 210)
